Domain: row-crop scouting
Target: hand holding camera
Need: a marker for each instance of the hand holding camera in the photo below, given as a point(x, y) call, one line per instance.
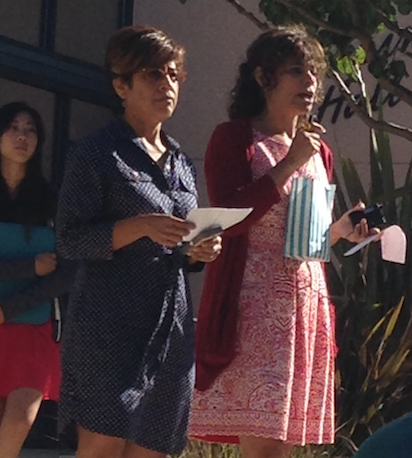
point(359, 222)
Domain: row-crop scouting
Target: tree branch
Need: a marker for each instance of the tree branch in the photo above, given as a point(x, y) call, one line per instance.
point(397, 90)
point(402, 32)
point(389, 127)
point(319, 22)
point(301, 11)
point(249, 15)
point(352, 7)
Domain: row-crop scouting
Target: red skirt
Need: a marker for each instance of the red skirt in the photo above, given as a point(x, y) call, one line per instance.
point(29, 358)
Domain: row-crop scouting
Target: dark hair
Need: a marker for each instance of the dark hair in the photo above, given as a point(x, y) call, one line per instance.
point(135, 47)
point(34, 203)
point(7, 115)
point(270, 51)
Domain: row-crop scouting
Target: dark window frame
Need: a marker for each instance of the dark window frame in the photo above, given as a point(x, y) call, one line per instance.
point(48, 23)
point(67, 77)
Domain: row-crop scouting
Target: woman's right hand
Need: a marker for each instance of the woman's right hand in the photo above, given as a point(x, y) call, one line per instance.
point(163, 229)
point(304, 146)
point(45, 264)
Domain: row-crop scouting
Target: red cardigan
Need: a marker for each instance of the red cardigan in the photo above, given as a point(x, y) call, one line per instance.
point(229, 183)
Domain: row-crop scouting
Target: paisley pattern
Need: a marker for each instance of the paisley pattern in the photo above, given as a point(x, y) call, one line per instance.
point(281, 384)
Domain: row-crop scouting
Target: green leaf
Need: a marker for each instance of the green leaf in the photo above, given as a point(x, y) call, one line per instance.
point(375, 329)
point(378, 66)
point(393, 320)
point(353, 183)
point(382, 173)
point(387, 175)
point(391, 369)
point(405, 7)
point(345, 66)
point(381, 28)
point(405, 217)
point(377, 188)
point(397, 69)
point(360, 55)
point(340, 203)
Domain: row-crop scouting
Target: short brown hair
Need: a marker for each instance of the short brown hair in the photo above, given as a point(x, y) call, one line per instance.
point(135, 47)
point(270, 51)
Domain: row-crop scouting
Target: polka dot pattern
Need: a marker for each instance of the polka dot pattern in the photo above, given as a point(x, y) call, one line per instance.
point(127, 349)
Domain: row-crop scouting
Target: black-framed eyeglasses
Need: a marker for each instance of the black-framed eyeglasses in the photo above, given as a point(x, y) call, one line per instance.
point(156, 75)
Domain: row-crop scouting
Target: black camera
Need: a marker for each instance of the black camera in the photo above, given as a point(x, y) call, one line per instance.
point(374, 215)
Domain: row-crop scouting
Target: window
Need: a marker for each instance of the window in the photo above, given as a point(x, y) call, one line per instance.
point(51, 54)
point(83, 28)
point(20, 20)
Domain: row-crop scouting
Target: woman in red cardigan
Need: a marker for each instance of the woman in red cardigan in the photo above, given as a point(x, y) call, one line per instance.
point(265, 337)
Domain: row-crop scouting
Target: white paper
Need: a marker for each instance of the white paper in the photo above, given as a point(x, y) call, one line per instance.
point(205, 218)
point(393, 241)
point(394, 245)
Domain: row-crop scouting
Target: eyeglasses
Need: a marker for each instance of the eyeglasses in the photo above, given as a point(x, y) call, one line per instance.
point(156, 75)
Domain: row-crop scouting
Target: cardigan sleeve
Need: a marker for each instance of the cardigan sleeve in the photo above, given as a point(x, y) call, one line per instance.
point(17, 269)
point(45, 288)
point(229, 179)
point(327, 157)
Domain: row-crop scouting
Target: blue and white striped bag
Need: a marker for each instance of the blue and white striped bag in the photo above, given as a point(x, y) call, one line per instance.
point(309, 219)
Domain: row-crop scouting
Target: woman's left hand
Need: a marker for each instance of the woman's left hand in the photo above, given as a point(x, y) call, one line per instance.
point(344, 229)
point(2, 320)
point(206, 251)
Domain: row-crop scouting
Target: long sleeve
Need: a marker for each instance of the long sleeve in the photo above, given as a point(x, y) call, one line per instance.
point(45, 288)
point(17, 269)
point(327, 157)
point(229, 178)
point(81, 230)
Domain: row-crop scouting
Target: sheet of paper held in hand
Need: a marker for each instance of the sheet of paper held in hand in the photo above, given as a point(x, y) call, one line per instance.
point(209, 218)
point(393, 241)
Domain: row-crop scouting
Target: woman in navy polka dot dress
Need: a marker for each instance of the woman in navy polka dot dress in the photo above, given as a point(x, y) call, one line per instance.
point(128, 343)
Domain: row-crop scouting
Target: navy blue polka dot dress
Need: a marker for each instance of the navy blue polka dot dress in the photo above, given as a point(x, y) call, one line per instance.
point(127, 348)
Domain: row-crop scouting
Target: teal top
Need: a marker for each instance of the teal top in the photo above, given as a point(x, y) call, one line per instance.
point(20, 242)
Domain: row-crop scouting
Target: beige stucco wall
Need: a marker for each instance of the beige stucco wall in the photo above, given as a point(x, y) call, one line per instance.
point(216, 38)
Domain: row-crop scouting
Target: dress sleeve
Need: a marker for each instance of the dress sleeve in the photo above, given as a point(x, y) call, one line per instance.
point(228, 177)
point(17, 269)
point(81, 230)
point(45, 288)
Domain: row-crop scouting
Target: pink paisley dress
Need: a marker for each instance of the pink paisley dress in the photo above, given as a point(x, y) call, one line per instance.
point(281, 383)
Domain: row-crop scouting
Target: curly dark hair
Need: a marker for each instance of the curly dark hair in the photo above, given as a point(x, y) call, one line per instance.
point(270, 51)
point(135, 47)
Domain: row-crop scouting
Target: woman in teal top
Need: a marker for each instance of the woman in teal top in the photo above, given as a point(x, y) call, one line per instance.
point(29, 355)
